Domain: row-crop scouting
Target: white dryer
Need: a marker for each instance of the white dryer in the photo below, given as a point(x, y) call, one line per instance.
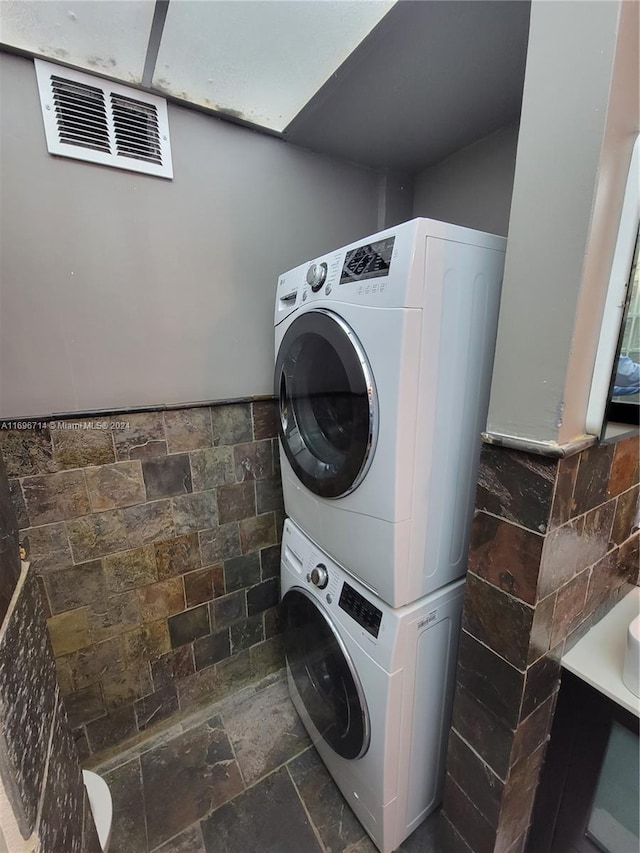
point(373, 686)
point(384, 354)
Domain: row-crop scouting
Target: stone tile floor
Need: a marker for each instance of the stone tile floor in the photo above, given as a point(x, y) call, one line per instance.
point(241, 777)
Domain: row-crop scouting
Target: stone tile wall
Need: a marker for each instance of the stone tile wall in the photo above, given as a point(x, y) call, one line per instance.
point(155, 539)
point(553, 548)
point(43, 803)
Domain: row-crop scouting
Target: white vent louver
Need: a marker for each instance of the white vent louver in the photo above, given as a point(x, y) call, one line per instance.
point(87, 118)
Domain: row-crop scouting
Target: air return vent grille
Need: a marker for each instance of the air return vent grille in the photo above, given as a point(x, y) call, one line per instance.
point(87, 118)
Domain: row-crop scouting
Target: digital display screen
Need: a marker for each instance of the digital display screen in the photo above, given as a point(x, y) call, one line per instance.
point(371, 260)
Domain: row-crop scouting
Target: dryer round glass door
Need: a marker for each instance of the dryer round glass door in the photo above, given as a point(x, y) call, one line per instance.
point(327, 399)
point(324, 675)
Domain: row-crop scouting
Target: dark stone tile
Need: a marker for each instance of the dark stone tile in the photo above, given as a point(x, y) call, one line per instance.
point(220, 543)
point(96, 535)
point(188, 429)
point(160, 600)
point(82, 745)
point(540, 639)
point(257, 532)
point(499, 621)
point(148, 523)
point(334, 821)
point(231, 424)
point(27, 452)
point(625, 467)
point(596, 534)
point(75, 587)
point(69, 631)
point(435, 835)
point(263, 595)
point(148, 643)
point(270, 562)
point(128, 829)
point(188, 626)
point(247, 633)
point(241, 572)
point(505, 555)
point(268, 818)
point(236, 502)
point(189, 841)
point(116, 727)
point(234, 673)
point(87, 666)
point(55, 497)
point(626, 515)
point(265, 419)
point(48, 547)
point(212, 467)
point(562, 509)
point(629, 559)
point(130, 569)
point(253, 461)
point(466, 819)
point(560, 557)
point(518, 800)
point(199, 586)
point(516, 486)
point(112, 486)
point(17, 501)
point(490, 679)
point(200, 688)
point(533, 731)
point(44, 597)
point(280, 519)
point(195, 512)
point(60, 825)
point(177, 556)
point(592, 479)
point(543, 678)
point(212, 648)
point(267, 657)
point(167, 476)
point(271, 622)
point(475, 778)
point(144, 437)
point(173, 666)
point(113, 615)
point(490, 737)
point(156, 706)
point(269, 495)
point(569, 608)
point(85, 705)
point(228, 609)
point(186, 778)
point(77, 445)
point(606, 576)
point(125, 687)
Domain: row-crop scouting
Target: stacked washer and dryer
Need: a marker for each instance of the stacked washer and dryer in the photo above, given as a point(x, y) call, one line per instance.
point(384, 353)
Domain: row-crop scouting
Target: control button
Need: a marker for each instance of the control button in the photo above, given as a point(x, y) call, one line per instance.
point(304, 296)
point(319, 576)
point(327, 289)
point(329, 598)
point(316, 275)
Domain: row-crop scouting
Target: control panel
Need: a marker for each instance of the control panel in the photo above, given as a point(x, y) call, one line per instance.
point(364, 613)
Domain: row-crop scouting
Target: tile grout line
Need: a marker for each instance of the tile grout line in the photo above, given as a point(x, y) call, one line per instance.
point(316, 832)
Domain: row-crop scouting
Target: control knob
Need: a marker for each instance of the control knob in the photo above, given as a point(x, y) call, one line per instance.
point(316, 275)
point(319, 576)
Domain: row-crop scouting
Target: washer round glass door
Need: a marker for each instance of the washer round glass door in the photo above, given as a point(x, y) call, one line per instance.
point(328, 411)
point(324, 675)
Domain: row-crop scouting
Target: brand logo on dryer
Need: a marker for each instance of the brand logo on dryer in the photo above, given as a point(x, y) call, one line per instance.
point(429, 618)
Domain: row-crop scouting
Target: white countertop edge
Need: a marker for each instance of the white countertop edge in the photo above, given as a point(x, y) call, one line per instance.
point(598, 657)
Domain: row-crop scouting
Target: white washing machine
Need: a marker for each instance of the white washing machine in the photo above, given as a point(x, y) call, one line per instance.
point(384, 354)
point(373, 686)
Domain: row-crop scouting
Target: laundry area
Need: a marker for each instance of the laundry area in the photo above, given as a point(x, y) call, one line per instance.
point(319, 470)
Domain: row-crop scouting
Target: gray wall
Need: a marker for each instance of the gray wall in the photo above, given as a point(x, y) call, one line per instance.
point(472, 187)
point(579, 115)
point(122, 290)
